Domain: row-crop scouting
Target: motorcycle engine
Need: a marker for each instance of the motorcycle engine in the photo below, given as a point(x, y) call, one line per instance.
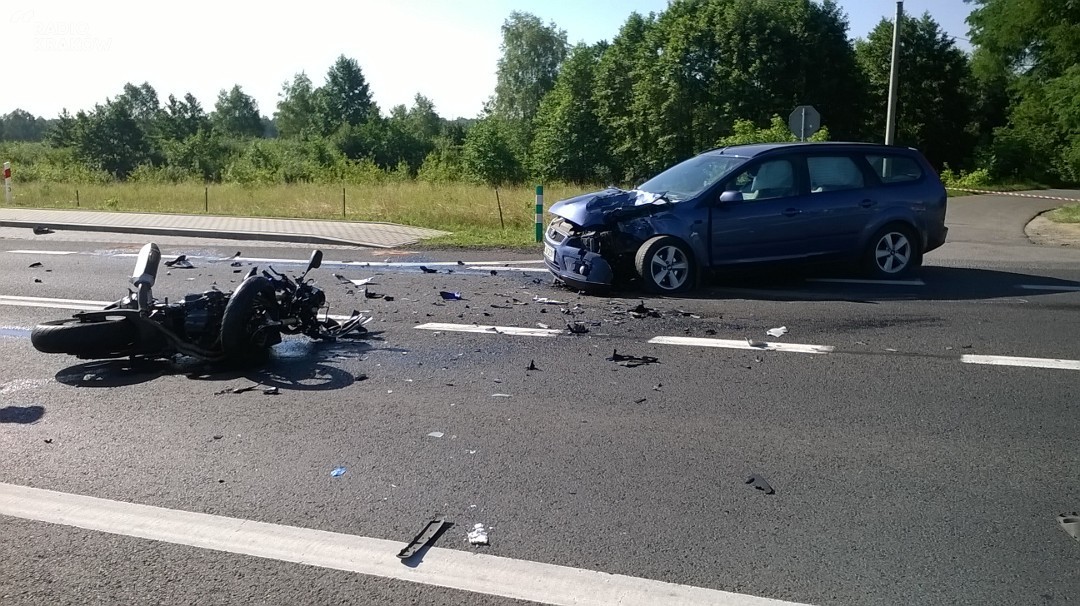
point(202, 317)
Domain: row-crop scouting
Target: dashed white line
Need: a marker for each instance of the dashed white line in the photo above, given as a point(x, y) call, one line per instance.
point(46, 302)
point(442, 567)
point(862, 281)
point(1015, 361)
point(43, 252)
point(491, 330)
point(1050, 287)
point(744, 344)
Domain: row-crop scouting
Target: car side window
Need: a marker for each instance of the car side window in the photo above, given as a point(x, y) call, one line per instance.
point(768, 180)
point(895, 168)
point(833, 173)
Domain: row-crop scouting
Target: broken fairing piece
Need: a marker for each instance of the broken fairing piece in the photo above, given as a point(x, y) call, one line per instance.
point(577, 328)
point(363, 282)
point(180, 262)
point(427, 270)
point(1070, 523)
point(777, 332)
point(478, 536)
point(450, 296)
point(760, 484)
point(631, 361)
point(547, 301)
point(435, 434)
point(338, 472)
point(432, 531)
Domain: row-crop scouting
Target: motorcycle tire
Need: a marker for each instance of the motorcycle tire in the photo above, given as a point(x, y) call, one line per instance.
point(78, 338)
point(236, 322)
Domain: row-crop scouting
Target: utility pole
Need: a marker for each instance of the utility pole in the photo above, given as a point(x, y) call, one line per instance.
point(890, 117)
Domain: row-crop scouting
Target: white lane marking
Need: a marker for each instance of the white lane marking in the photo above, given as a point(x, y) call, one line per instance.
point(442, 567)
point(743, 344)
point(43, 252)
point(1050, 287)
point(492, 330)
point(52, 303)
point(861, 281)
point(1015, 361)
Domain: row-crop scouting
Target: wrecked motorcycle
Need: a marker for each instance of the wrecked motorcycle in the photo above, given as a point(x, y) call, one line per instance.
point(212, 326)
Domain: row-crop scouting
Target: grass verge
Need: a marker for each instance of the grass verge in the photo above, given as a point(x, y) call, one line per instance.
point(470, 212)
point(1070, 213)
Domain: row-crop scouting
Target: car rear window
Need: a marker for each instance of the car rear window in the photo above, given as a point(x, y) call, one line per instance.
point(895, 168)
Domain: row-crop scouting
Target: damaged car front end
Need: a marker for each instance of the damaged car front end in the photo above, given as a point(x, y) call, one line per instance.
point(654, 233)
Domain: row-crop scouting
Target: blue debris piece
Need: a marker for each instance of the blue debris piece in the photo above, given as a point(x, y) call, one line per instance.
point(450, 296)
point(338, 471)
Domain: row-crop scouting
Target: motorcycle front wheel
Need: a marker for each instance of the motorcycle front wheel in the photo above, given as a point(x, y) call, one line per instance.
point(80, 338)
point(244, 336)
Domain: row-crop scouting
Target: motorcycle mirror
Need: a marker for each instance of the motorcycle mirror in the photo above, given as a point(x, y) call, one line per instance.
point(251, 273)
point(315, 261)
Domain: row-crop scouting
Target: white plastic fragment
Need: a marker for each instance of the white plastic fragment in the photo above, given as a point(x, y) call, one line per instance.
point(478, 536)
point(500, 395)
point(435, 434)
point(777, 332)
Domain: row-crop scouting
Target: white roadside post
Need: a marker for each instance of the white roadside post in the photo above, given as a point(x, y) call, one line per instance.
point(7, 182)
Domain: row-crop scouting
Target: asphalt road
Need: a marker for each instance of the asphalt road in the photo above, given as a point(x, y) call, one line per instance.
point(901, 473)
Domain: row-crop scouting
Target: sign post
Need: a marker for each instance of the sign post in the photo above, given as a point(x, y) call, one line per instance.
point(804, 122)
point(7, 182)
point(539, 213)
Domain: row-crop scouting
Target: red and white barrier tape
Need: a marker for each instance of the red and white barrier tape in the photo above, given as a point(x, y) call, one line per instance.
point(1010, 193)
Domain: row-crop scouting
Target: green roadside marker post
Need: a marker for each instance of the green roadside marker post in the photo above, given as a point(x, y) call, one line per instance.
point(539, 212)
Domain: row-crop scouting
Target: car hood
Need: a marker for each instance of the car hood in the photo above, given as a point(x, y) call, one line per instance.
point(589, 210)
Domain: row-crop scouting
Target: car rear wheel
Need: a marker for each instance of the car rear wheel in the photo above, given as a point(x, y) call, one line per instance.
point(892, 252)
point(665, 265)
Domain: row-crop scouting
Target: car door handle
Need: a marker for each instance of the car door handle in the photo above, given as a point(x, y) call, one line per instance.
point(791, 212)
point(867, 203)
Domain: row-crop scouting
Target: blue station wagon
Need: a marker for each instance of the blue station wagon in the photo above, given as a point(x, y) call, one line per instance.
point(880, 206)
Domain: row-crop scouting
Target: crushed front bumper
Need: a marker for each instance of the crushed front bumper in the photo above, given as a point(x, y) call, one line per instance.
point(567, 258)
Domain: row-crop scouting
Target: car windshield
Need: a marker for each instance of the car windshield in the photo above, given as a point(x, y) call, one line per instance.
point(691, 177)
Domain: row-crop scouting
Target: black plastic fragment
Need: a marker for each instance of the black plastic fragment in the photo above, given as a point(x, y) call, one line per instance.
point(631, 361)
point(36, 264)
point(428, 535)
point(577, 328)
point(427, 270)
point(1070, 523)
point(532, 365)
point(41, 230)
point(760, 483)
point(180, 262)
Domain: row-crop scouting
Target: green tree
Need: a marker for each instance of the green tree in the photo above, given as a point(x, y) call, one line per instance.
point(745, 132)
point(110, 139)
point(487, 156)
point(62, 132)
point(182, 118)
point(345, 98)
point(1030, 48)
point(569, 143)
point(531, 56)
point(296, 110)
point(236, 114)
point(935, 96)
point(21, 125)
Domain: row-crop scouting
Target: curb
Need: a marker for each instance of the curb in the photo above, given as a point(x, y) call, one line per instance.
point(1009, 193)
point(202, 233)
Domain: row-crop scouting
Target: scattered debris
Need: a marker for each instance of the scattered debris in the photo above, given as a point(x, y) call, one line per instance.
point(361, 377)
point(500, 395)
point(338, 472)
point(760, 484)
point(237, 390)
point(37, 281)
point(432, 531)
point(48, 440)
point(493, 306)
point(236, 264)
point(577, 328)
point(427, 270)
point(180, 262)
point(640, 401)
point(435, 434)
point(532, 365)
point(631, 361)
point(777, 332)
point(494, 273)
point(218, 437)
point(547, 301)
point(542, 325)
point(710, 331)
point(343, 279)
point(271, 391)
point(237, 255)
point(478, 536)
point(450, 296)
point(388, 298)
point(644, 312)
point(368, 294)
point(1070, 523)
point(41, 230)
point(753, 343)
point(658, 386)
point(33, 265)
point(461, 263)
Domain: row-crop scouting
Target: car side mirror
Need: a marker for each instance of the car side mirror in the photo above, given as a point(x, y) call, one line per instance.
point(731, 196)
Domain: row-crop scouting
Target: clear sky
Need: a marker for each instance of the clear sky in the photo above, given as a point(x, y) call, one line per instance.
point(74, 53)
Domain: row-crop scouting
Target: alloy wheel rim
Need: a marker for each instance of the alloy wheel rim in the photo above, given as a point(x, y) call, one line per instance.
point(893, 252)
point(670, 268)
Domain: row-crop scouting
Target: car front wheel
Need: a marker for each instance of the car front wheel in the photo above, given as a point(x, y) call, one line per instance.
point(665, 265)
point(892, 252)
